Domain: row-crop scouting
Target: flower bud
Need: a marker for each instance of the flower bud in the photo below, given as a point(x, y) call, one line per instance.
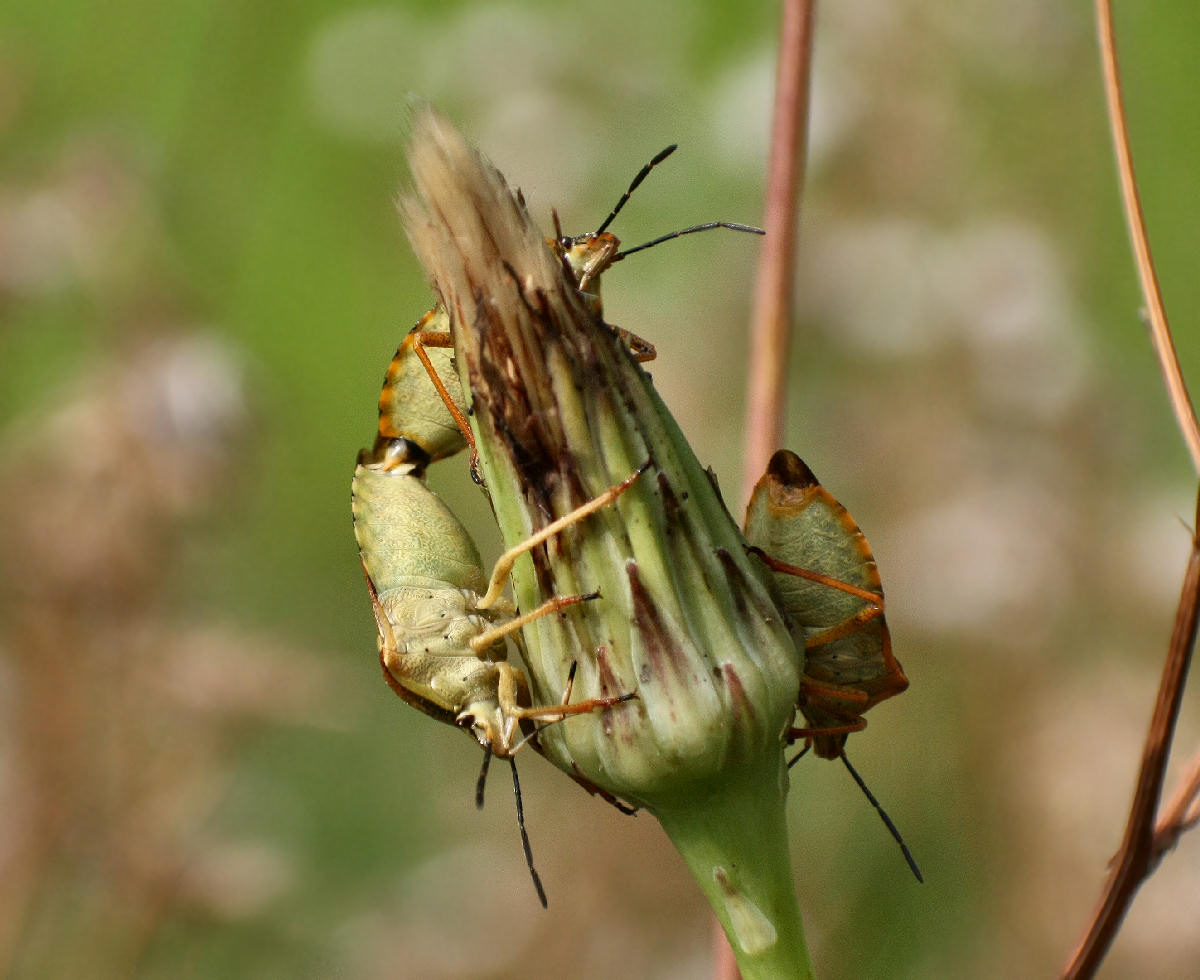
point(687, 620)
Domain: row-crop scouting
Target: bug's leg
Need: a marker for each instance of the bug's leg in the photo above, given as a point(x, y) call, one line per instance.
point(512, 685)
point(838, 711)
point(604, 794)
point(394, 382)
point(557, 712)
point(505, 562)
point(420, 409)
point(795, 734)
point(846, 704)
point(640, 348)
point(576, 775)
point(512, 682)
point(437, 338)
point(873, 609)
point(552, 605)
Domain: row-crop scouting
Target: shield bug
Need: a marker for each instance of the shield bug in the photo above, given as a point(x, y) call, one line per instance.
point(442, 624)
point(831, 591)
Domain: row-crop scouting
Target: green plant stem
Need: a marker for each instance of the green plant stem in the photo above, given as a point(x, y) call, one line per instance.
point(736, 846)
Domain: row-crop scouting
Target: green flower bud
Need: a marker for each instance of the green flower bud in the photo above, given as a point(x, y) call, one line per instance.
point(686, 619)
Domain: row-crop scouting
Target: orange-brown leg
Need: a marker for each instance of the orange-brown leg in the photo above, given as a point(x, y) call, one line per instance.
point(512, 683)
point(505, 562)
point(856, 622)
point(641, 349)
point(552, 605)
point(440, 339)
point(795, 734)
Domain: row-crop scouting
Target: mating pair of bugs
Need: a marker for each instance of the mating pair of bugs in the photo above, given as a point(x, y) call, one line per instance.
point(443, 625)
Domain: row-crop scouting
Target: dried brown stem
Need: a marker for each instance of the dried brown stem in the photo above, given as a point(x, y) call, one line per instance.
point(1144, 844)
point(1160, 330)
point(1181, 814)
point(771, 325)
point(1139, 853)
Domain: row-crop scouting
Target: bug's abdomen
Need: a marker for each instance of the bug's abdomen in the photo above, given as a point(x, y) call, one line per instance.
point(407, 536)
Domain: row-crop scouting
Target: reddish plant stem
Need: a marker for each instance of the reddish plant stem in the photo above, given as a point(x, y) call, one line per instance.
point(1138, 856)
point(1160, 329)
point(770, 328)
point(1181, 814)
point(724, 962)
point(1143, 844)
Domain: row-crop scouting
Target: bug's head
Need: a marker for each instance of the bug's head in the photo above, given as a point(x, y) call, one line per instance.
point(586, 257)
point(485, 722)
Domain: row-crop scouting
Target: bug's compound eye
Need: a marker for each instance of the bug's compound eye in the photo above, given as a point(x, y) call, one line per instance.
point(477, 725)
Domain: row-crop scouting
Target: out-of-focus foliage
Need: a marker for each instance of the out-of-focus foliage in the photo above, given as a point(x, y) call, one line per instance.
point(201, 282)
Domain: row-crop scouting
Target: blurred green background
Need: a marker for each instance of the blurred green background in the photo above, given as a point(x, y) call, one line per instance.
point(202, 279)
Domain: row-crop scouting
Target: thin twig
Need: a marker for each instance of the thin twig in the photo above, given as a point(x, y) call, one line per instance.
point(1143, 845)
point(771, 325)
point(1181, 814)
point(1137, 858)
point(1160, 330)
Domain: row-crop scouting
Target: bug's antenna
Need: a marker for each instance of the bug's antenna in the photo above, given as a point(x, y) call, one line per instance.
point(537, 882)
point(642, 175)
point(887, 821)
point(483, 771)
point(707, 226)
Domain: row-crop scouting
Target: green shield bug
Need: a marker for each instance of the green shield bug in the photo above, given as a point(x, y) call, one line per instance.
point(441, 623)
point(830, 588)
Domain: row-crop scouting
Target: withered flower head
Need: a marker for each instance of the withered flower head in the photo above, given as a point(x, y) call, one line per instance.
point(687, 620)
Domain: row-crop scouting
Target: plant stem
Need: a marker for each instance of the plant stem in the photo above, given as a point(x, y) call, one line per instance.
point(736, 846)
point(771, 326)
point(1160, 328)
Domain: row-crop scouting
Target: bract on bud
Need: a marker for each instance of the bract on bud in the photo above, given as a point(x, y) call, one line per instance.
point(686, 619)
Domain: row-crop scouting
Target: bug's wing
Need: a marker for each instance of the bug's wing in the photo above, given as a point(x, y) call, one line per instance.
point(849, 664)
